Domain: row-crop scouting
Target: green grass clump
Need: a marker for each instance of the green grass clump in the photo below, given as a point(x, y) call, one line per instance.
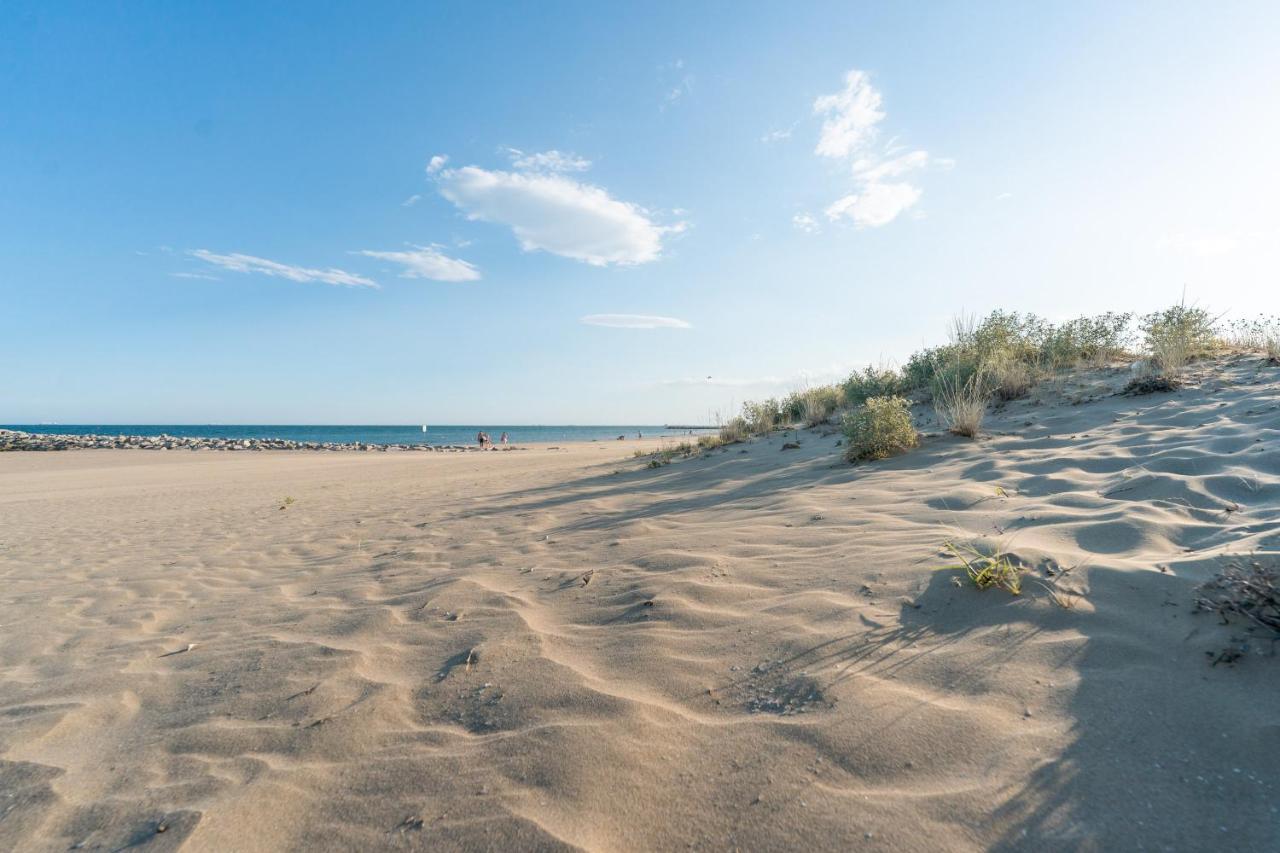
point(710, 442)
point(870, 382)
point(763, 417)
point(1177, 335)
point(734, 431)
point(813, 406)
point(880, 428)
point(986, 570)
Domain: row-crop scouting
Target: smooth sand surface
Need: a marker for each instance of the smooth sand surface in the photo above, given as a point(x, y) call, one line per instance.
point(560, 649)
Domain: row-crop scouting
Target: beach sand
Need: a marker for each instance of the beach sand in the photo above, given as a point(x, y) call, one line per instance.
point(557, 649)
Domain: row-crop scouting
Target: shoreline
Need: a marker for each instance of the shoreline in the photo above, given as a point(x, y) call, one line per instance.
point(26, 442)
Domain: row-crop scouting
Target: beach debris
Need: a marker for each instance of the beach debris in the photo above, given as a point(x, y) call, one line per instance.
point(189, 647)
point(412, 823)
point(1141, 385)
point(1251, 591)
point(472, 657)
point(791, 445)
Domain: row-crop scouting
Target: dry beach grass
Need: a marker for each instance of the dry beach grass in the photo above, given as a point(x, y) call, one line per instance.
point(742, 649)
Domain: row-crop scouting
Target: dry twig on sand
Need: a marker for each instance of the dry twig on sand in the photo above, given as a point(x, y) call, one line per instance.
point(1251, 591)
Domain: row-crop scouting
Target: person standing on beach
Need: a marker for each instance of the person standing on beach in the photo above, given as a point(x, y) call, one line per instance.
point(502, 439)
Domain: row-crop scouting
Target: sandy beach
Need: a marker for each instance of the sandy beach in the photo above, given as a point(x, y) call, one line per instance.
point(564, 649)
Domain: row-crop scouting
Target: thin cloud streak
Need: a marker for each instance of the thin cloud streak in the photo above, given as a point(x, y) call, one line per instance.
point(634, 321)
point(241, 263)
point(428, 262)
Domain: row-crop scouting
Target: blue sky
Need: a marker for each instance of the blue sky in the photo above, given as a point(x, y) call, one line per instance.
point(231, 212)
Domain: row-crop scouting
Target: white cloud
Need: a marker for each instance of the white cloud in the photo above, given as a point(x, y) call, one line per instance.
point(1004, 196)
point(557, 214)
point(411, 200)
point(548, 161)
point(428, 262)
point(806, 222)
point(197, 275)
point(777, 135)
point(850, 128)
point(871, 170)
point(874, 205)
point(634, 321)
point(851, 116)
point(237, 262)
point(436, 163)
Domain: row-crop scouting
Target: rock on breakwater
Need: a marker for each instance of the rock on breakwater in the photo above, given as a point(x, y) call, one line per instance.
point(15, 440)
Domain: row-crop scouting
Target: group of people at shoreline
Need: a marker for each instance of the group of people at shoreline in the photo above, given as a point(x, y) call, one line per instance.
point(482, 439)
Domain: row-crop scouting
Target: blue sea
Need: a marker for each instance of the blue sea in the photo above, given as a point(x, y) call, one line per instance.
point(457, 434)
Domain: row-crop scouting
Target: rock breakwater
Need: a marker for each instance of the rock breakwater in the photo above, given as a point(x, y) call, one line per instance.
point(14, 440)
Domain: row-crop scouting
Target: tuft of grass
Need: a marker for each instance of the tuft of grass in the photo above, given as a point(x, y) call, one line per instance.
point(1010, 377)
point(879, 429)
point(734, 431)
point(961, 402)
point(986, 570)
point(710, 442)
point(286, 503)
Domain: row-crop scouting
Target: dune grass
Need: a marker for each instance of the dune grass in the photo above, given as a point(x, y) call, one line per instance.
point(961, 403)
point(986, 571)
point(1007, 355)
point(880, 428)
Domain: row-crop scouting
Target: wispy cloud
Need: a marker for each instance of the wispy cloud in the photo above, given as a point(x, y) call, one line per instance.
point(806, 223)
point(554, 213)
point(411, 200)
point(236, 262)
point(428, 262)
point(634, 321)
point(778, 135)
point(197, 275)
point(548, 161)
point(850, 131)
point(679, 82)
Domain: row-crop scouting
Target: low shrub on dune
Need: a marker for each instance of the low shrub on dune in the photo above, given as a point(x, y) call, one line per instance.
point(878, 429)
point(1177, 335)
point(870, 382)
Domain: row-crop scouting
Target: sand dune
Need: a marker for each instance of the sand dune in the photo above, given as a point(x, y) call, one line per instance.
point(754, 649)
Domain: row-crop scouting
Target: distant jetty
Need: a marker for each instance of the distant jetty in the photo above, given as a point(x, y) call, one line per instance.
point(687, 426)
point(14, 440)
